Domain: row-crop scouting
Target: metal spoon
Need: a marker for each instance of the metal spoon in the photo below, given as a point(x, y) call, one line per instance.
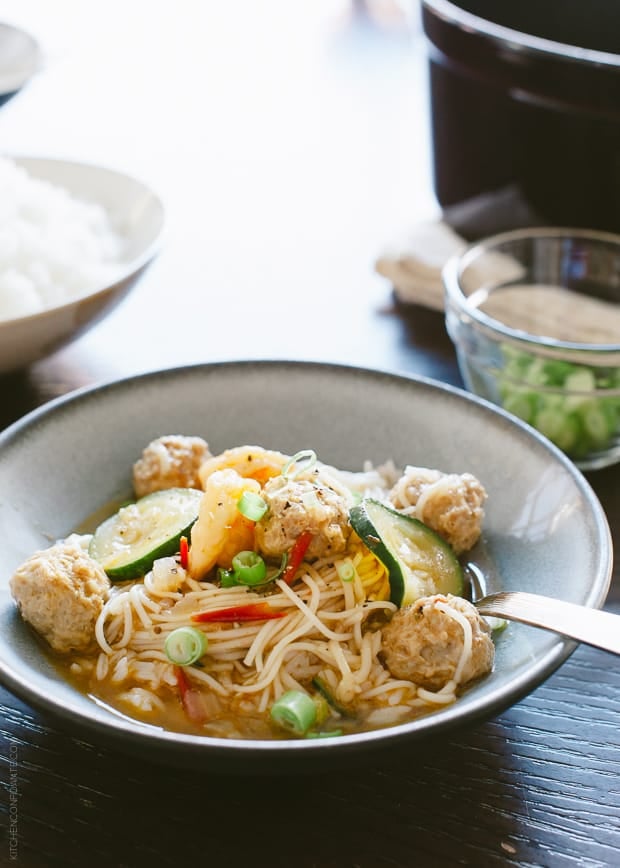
point(592, 626)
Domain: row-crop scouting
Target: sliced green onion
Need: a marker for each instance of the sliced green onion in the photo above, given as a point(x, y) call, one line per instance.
point(283, 564)
point(330, 699)
point(301, 462)
point(185, 646)
point(294, 711)
point(249, 567)
point(574, 405)
point(252, 505)
point(322, 708)
point(346, 571)
point(332, 733)
point(227, 578)
point(496, 624)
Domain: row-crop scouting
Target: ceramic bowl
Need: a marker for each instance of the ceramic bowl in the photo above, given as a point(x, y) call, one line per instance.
point(137, 215)
point(20, 59)
point(544, 530)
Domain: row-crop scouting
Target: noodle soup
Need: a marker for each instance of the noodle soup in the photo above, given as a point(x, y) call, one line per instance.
point(252, 594)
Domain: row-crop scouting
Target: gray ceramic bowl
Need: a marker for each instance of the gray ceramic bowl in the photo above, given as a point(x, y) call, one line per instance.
point(545, 530)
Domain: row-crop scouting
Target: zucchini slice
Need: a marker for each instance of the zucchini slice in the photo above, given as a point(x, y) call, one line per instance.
point(127, 543)
point(419, 562)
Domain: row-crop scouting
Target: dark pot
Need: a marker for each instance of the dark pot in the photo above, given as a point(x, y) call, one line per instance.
point(526, 93)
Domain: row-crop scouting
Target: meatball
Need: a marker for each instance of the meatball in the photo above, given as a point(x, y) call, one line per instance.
point(450, 504)
point(423, 642)
point(172, 461)
point(60, 591)
point(295, 506)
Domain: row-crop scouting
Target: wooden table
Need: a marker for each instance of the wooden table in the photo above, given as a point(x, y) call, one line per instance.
point(290, 144)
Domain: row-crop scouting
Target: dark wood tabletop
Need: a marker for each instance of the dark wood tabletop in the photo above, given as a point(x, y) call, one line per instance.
point(290, 144)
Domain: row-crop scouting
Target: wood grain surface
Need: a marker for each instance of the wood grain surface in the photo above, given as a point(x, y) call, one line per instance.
point(290, 144)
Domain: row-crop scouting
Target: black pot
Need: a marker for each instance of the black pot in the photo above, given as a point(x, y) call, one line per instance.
point(526, 93)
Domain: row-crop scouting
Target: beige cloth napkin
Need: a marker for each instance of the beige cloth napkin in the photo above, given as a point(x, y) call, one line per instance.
point(414, 269)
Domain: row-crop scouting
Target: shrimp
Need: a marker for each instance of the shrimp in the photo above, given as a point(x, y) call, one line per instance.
point(251, 462)
point(220, 531)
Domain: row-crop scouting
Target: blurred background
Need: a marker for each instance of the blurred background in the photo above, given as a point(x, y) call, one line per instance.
point(289, 142)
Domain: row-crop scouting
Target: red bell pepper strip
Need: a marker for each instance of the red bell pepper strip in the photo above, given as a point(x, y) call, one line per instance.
point(190, 698)
point(184, 552)
point(250, 612)
point(296, 556)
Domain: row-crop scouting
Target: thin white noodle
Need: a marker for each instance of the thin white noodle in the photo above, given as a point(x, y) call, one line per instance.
point(153, 654)
point(466, 651)
point(319, 650)
point(442, 486)
point(309, 614)
point(386, 687)
point(267, 633)
point(149, 584)
point(100, 634)
point(339, 657)
point(101, 670)
point(121, 670)
point(438, 698)
point(214, 684)
point(275, 658)
point(263, 702)
point(288, 682)
point(135, 598)
point(128, 626)
point(366, 659)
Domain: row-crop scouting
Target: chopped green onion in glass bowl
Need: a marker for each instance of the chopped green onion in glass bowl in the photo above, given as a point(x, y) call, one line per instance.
point(534, 315)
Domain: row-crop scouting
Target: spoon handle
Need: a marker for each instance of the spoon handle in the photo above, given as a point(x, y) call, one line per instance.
point(592, 626)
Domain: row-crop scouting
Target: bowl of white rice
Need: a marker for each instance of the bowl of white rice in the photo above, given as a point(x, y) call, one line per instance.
point(74, 238)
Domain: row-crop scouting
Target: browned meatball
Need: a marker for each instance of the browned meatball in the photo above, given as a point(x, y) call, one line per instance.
point(302, 505)
point(60, 591)
point(423, 643)
point(172, 461)
point(449, 503)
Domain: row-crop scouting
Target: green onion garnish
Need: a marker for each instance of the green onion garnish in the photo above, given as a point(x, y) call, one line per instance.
point(345, 569)
point(301, 462)
point(330, 699)
point(185, 646)
point(294, 711)
point(227, 578)
point(496, 624)
point(280, 570)
point(249, 568)
point(252, 505)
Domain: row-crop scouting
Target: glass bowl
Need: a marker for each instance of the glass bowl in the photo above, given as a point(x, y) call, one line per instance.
point(534, 315)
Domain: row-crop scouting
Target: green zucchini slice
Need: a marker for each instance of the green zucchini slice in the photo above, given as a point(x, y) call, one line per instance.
point(419, 562)
point(127, 543)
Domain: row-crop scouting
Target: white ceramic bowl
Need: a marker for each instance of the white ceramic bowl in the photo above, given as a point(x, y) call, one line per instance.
point(137, 215)
point(544, 530)
point(20, 59)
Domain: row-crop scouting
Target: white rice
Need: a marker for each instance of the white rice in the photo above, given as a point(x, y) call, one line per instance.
point(53, 247)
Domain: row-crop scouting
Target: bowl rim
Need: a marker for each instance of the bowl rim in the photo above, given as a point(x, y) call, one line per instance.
point(127, 269)
point(127, 732)
point(518, 42)
point(13, 81)
point(456, 264)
